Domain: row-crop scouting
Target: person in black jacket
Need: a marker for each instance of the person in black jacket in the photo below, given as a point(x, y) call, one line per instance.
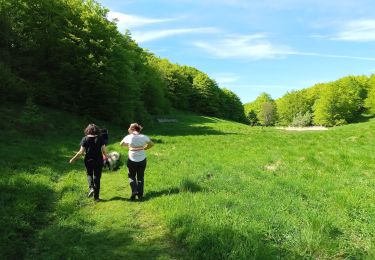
point(93, 145)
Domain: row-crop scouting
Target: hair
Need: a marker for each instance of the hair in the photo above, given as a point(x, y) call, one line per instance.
point(92, 129)
point(135, 127)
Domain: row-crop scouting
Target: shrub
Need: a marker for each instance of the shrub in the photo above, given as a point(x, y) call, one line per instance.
point(301, 120)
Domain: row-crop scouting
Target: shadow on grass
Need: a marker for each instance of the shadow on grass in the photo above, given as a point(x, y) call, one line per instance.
point(193, 125)
point(180, 129)
point(72, 242)
point(166, 192)
point(185, 186)
point(25, 206)
point(149, 195)
point(363, 118)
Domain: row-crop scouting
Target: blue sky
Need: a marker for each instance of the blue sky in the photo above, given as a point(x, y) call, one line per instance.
point(250, 47)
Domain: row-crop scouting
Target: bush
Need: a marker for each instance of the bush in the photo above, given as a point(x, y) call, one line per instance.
point(302, 120)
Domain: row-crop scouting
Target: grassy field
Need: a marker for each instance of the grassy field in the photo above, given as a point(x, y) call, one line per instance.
point(214, 189)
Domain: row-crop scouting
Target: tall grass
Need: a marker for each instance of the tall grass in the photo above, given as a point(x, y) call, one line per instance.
point(214, 189)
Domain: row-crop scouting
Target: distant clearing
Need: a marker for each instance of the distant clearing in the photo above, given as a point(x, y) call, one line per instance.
point(309, 128)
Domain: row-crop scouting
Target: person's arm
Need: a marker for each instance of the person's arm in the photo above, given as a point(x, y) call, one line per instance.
point(123, 142)
point(78, 154)
point(149, 144)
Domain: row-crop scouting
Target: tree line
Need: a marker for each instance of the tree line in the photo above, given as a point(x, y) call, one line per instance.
point(66, 54)
point(329, 104)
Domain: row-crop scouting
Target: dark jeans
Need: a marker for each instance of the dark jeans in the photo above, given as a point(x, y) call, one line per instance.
point(94, 173)
point(136, 176)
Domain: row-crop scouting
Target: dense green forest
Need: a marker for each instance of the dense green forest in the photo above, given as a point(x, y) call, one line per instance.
point(329, 104)
point(66, 54)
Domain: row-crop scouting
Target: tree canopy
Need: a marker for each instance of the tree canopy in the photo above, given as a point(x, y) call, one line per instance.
point(329, 104)
point(67, 54)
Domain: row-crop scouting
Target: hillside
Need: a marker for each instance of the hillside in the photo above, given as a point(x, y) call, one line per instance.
point(214, 189)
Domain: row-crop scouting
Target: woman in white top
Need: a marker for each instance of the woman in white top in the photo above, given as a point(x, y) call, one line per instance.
point(137, 144)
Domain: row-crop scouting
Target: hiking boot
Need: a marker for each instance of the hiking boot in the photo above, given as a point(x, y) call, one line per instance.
point(132, 197)
point(91, 192)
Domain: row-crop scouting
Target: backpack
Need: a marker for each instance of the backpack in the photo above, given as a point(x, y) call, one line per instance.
point(104, 135)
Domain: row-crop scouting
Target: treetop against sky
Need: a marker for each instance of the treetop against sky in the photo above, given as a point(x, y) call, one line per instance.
point(251, 47)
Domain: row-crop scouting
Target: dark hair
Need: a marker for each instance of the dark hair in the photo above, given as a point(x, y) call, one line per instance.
point(92, 129)
point(136, 127)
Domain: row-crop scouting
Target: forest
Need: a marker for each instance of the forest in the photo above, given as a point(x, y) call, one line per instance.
point(66, 54)
point(343, 101)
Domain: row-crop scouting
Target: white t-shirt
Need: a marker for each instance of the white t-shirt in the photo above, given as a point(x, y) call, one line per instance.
point(136, 142)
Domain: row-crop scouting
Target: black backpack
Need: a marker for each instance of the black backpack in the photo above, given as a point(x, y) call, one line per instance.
point(104, 135)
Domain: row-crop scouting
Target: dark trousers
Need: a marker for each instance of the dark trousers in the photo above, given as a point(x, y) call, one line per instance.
point(136, 176)
point(94, 173)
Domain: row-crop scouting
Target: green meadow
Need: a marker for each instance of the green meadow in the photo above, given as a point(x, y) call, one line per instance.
point(214, 189)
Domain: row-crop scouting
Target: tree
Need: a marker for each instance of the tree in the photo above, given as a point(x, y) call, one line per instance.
point(265, 109)
point(339, 103)
point(252, 118)
point(231, 106)
point(267, 113)
point(370, 100)
point(68, 50)
point(292, 104)
point(205, 95)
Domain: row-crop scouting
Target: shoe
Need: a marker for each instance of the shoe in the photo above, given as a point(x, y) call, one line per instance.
point(91, 192)
point(140, 197)
point(97, 200)
point(132, 197)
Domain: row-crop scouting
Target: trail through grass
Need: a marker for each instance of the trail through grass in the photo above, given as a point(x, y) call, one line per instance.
point(213, 190)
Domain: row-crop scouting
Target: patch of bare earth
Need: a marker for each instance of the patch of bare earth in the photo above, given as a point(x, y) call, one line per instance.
point(308, 128)
point(273, 166)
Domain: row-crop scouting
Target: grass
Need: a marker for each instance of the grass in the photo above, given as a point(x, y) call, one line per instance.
point(214, 189)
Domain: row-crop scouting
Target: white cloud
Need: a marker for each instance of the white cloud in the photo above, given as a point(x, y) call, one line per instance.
point(360, 30)
point(257, 46)
point(127, 21)
point(225, 78)
point(258, 86)
point(320, 5)
point(240, 3)
point(141, 36)
point(254, 46)
point(279, 4)
point(332, 56)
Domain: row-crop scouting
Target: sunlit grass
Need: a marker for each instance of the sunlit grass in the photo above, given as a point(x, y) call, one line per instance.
point(213, 190)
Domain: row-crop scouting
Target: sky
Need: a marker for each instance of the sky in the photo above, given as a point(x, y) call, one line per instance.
point(250, 47)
